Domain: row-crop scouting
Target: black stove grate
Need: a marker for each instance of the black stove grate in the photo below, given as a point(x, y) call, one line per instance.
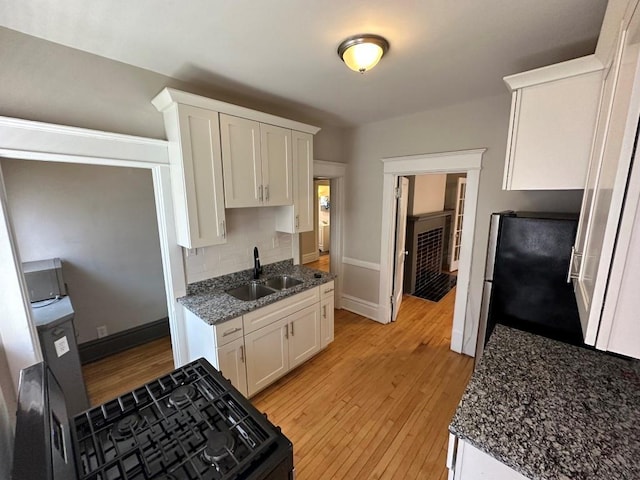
point(161, 431)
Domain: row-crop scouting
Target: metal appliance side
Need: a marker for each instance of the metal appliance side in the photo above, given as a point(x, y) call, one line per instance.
point(494, 230)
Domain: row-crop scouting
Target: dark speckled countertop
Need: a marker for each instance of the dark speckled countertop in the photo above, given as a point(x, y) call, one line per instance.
point(553, 411)
point(209, 301)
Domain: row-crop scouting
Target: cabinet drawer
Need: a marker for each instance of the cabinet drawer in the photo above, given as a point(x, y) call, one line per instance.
point(327, 290)
point(269, 314)
point(228, 331)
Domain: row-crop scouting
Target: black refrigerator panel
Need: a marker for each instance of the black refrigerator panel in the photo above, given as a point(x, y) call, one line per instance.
point(530, 289)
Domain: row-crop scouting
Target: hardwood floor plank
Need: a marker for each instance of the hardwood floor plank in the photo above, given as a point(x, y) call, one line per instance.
point(374, 404)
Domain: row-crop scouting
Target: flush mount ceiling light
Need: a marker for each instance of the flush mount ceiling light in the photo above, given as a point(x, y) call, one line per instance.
point(362, 52)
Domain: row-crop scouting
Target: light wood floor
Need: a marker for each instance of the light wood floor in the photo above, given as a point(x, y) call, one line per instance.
point(375, 404)
point(321, 264)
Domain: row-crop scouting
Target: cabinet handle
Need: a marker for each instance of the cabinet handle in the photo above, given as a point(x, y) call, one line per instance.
point(286, 331)
point(223, 224)
point(229, 332)
point(330, 290)
point(324, 311)
point(242, 353)
point(266, 193)
point(292, 329)
point(260, 194)
point(297, 221)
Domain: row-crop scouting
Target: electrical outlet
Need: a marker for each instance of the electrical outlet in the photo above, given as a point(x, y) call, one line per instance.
point(102, 331)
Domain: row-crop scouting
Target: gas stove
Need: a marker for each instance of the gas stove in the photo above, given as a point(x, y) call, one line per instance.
point(189, 424)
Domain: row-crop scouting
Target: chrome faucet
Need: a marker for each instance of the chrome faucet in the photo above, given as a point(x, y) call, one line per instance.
point(257, 269)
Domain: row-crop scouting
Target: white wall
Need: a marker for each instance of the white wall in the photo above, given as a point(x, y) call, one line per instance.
point(247, 228)
point(426, 194)
point(476, 124)
point(101, 221)
point(52, 83)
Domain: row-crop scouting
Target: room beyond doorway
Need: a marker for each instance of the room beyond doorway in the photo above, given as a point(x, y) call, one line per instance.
point(315, 246)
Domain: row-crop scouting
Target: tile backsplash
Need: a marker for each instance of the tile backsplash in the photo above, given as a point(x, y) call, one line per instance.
point(246, 228)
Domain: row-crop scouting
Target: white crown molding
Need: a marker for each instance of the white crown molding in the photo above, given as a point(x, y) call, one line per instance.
point(550, 73)
point(465, 160)
point(169, 96)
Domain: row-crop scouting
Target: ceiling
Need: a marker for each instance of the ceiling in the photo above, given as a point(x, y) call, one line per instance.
point(442, 51)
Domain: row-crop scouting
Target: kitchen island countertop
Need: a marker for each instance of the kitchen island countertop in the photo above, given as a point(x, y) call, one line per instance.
point(209, 301)
point(553, 411)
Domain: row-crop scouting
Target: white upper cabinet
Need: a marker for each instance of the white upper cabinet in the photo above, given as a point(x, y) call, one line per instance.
point(299, 217)
point(227, 156)
point(242, 162)
point(604, 253)
point(257, 163)
point(553, 116)
point(277, 165)
point(196, 175)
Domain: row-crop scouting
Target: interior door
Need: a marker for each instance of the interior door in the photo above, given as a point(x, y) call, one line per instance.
point(400, 253)
point(457, 224)
point(606, 182)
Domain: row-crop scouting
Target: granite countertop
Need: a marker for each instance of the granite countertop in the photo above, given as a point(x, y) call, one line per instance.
point(209, 301)
point(553, 411)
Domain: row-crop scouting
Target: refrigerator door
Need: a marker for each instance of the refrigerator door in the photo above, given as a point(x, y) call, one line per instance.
point(529, 279)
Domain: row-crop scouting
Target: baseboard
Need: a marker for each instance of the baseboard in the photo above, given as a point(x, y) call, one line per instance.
point(118, 342)
point(310, 257)
point(360, 306)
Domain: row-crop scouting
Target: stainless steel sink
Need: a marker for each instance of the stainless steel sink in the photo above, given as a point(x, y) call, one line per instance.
point(283, 282)
point(251, 291)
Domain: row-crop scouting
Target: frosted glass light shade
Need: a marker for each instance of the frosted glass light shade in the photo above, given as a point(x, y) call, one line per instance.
point(363, 52)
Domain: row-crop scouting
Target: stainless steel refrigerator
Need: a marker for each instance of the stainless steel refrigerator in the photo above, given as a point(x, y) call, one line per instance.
point(526, 277)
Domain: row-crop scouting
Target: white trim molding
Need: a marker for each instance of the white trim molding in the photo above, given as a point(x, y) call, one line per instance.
point(28, 140)
point(336, 172)
point(361, 307)
point(463, 161)
point(359, 263)
point(310, 257)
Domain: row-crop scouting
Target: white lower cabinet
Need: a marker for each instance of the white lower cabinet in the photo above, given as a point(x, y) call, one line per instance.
point(466, 462)
point(327, 305)
point(231, 362)
point(304, 335)
point(255, 350)
point(267, 354)
point(277, 348)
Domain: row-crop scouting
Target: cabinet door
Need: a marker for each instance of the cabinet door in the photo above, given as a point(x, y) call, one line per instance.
point(304, 335)
point(303, 181)
point(231, 362)
point(241, 162)
point(473, 464)
point(277, 165)
point(196, 176)
point(327, 319)
point(550, 132)
point(607, 182)
point(267, 355)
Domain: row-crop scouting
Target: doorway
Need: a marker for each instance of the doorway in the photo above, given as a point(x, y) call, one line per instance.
point(464, 162)
point(319, 240)
point(26, 140)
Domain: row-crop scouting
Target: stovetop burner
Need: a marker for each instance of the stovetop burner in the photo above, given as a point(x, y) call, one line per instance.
point(219, 446)
point(181, 396)
point(125, 427)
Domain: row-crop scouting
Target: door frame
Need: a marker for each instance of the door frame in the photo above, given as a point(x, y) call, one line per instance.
point(462, 161)
point(336, 174)
point(30, 140)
